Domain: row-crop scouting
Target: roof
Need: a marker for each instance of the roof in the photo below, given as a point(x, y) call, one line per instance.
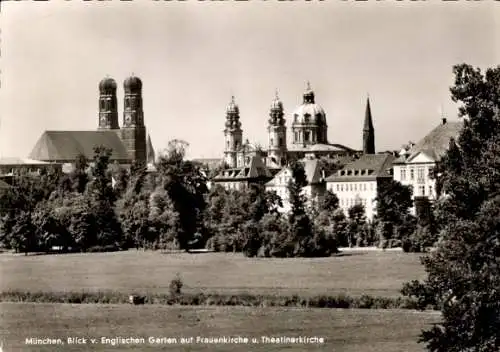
point(21, 161)
point(367, 168)
point(211, 163)
point(253, 170)
point(319, 147)
point(68, 145)
point(311, 168)
point(436, 143)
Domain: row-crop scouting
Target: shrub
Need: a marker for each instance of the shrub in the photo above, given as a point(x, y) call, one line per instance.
point(176, 286)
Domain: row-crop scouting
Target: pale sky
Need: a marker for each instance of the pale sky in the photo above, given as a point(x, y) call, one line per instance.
point(192, 56)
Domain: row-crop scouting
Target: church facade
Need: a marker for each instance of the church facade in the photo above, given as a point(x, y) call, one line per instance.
point(129, 143)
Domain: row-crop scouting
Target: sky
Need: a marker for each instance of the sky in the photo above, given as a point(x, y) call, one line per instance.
point(192, 56)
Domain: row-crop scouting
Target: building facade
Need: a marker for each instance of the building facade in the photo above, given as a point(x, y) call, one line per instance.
point(414, 165)
point(314, 189)
point(358, 181)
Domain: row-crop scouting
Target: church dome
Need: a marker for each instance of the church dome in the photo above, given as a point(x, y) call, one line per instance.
point(309, 112)
point(132, 84)
point(107, 84)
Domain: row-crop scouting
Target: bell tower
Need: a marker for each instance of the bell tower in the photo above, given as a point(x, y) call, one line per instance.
point(277, 133)
point(133, 131)
point(233, 134)
point(108, 109)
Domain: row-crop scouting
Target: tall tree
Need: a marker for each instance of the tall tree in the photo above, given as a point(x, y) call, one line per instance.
point(186, 187)
point(463, 274)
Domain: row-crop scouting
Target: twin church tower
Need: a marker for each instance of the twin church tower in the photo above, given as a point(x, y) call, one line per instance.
point(133, 131)
point(309, 134)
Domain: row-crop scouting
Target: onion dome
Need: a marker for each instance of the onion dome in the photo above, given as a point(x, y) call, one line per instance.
point(309, 113)
point(132, 84)
point(108, 84)
point(232, 107)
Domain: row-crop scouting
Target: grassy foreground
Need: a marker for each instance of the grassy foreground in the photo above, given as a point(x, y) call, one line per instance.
point(373, 273)
point(343, 330)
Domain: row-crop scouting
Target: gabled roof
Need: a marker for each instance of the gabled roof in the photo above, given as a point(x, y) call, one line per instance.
point(311, 168)
point(67, 145)
point(435, 144)
point(367, 167)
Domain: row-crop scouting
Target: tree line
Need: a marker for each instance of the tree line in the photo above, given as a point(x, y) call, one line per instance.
point(173, 208)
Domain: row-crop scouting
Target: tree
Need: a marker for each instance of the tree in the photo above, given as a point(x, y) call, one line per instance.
point(186, 187)
point(356, 225)
point(101, 197)
point(463, 274)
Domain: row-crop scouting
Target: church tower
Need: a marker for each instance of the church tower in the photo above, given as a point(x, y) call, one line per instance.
point(233, 134)
point(368, 131)
point(133, 132)
point(277, 133)
point(108, 107)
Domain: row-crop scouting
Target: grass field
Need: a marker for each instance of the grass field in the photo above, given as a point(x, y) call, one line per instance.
point(343, 330)
point(375, 273)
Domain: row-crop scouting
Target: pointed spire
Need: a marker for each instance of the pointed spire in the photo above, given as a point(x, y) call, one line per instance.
point(368, 130)
point(368, 125)
point(276, 96)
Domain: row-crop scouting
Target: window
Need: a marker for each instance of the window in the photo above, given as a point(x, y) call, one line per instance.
point(280, 144)
point(412, 174)
point(430, 191)
point(306, 136)
point(272, 142)
point(421, 190)
point(403, 174)
point(355, 187)
point(338, 187)
point(420, 175)
point(296, 136)
point(102, 104)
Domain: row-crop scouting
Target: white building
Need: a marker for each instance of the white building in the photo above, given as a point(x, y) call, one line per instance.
point(357, 182)
point(414, 166)
point(314, 188)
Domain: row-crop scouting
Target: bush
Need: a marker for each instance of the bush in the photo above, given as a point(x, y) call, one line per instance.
point(176, 286)
point(100, 249)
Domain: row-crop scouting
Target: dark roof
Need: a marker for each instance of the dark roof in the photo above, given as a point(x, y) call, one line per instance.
point(367, 167)
point(311, 168)
point(4, 185)
point(254, 170)
point(436, 143)
point(67, 145)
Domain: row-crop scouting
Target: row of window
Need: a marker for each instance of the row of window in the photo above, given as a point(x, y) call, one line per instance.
point(349, 202)
point(353, 187)
point(421, 191)
point(409, 173)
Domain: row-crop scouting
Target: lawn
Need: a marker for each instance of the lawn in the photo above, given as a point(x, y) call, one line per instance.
point(375, 273)
point(343, 330)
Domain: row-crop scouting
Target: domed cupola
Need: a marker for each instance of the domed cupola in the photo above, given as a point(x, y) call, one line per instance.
point(107, 85)
point(132, 84)
point(276, 113)
point(309, 121)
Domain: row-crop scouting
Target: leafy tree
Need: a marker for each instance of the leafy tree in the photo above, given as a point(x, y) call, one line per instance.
point(463, 275)
point(356, 225)
point(186, 187)
point(328, 201)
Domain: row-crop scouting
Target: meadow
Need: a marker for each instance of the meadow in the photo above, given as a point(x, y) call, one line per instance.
point(375, 273)
point(347, 330)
